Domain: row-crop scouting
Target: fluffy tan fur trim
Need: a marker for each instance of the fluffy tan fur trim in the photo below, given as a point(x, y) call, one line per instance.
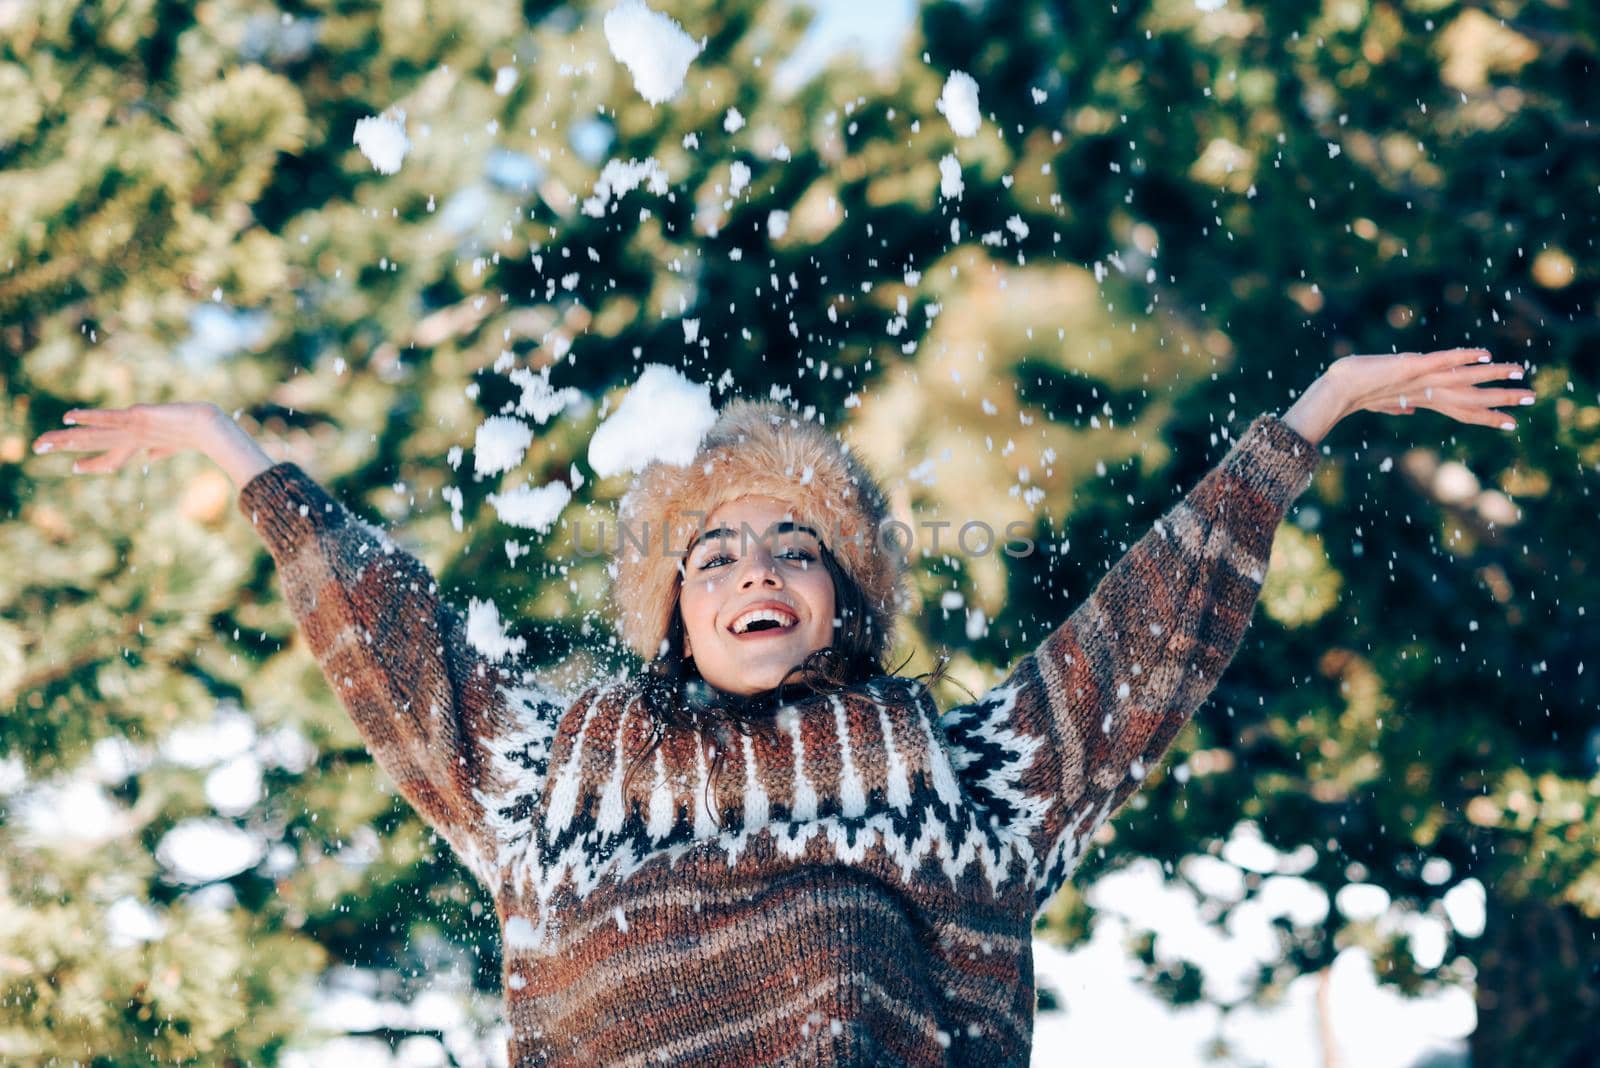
point(755, 448)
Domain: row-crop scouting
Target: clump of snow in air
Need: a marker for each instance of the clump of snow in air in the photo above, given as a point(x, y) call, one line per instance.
point(1210, 5)
point(950, 183)
point(777, 224)
point(977, 623)
point(738, 177)
point(382, 139)
point(487, 634)
point(959, 103)
point(533, 508)
point(618, 178)
point(663, 417)
point(539, 398)
point(499, 444)
point(652, 46)
point(734, 121)
point(505, 80)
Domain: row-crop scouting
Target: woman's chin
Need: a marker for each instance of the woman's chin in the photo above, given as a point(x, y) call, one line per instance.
point(751, 683)
point(754, 666)
point(756, 673)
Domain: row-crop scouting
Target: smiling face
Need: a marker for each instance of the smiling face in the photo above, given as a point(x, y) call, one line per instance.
point(773, 568)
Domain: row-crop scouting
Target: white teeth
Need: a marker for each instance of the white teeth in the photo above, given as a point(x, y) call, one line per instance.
point(783, 619)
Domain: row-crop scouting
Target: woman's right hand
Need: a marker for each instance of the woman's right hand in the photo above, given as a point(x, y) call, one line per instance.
point(119, 434)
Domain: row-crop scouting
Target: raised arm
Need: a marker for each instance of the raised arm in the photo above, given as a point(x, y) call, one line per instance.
point(464, 738)
point(1075, 726)
point(1070, 733)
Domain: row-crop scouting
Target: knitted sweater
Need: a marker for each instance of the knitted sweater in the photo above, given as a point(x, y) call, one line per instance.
point(859, 884)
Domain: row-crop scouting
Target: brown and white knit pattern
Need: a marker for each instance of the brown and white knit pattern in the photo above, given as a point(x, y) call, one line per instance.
point(859, 882)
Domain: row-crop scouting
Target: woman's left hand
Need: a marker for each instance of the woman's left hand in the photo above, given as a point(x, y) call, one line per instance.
point(1399, 383)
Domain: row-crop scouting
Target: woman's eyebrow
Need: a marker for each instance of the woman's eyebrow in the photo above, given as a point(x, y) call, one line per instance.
point(784, 527)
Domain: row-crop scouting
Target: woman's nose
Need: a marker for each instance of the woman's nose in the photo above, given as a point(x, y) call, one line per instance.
point(760, 567)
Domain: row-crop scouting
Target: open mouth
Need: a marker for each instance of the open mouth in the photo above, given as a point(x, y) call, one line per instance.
point(763, 623)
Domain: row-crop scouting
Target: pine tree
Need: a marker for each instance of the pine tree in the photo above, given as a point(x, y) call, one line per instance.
point(1298, 183)
point(184, 215)
point(188, 218)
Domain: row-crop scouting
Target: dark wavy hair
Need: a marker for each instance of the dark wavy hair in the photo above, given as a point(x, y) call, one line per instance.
point(678, 698)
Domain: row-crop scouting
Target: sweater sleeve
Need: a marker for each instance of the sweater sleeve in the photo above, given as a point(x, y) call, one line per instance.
point(464, 738)
point(1070, 733)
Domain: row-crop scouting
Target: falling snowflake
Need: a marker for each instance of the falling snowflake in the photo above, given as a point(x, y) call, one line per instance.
point(652, 46)
point(959, 103)
point(382, 140)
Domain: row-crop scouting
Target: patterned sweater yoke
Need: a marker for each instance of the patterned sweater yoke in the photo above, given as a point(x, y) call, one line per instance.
point(857, 882)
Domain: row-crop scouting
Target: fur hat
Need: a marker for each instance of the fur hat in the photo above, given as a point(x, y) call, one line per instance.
point(755, 448)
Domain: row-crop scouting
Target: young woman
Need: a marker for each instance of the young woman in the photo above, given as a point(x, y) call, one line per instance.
point(765, 847)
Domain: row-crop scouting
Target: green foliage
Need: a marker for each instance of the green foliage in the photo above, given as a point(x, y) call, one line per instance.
point(213, 983)
point(1192, 250)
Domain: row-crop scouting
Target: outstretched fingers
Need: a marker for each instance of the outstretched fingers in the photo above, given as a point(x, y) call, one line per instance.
point(83, 439)
point(1457, 357)
point(1459, 397)
point(1501, 398)
point(1488, 372)
point(94, 416)
point(1472, 404)
point(1446, 381)
point(123, 433)
point(106, 462)
point(80, 438)
point(1477, 406)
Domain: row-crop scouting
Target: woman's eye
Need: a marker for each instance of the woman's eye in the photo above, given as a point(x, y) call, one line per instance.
point(793, 554)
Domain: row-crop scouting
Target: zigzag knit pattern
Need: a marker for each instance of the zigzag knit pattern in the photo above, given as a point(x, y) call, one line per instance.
point(859, 882)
